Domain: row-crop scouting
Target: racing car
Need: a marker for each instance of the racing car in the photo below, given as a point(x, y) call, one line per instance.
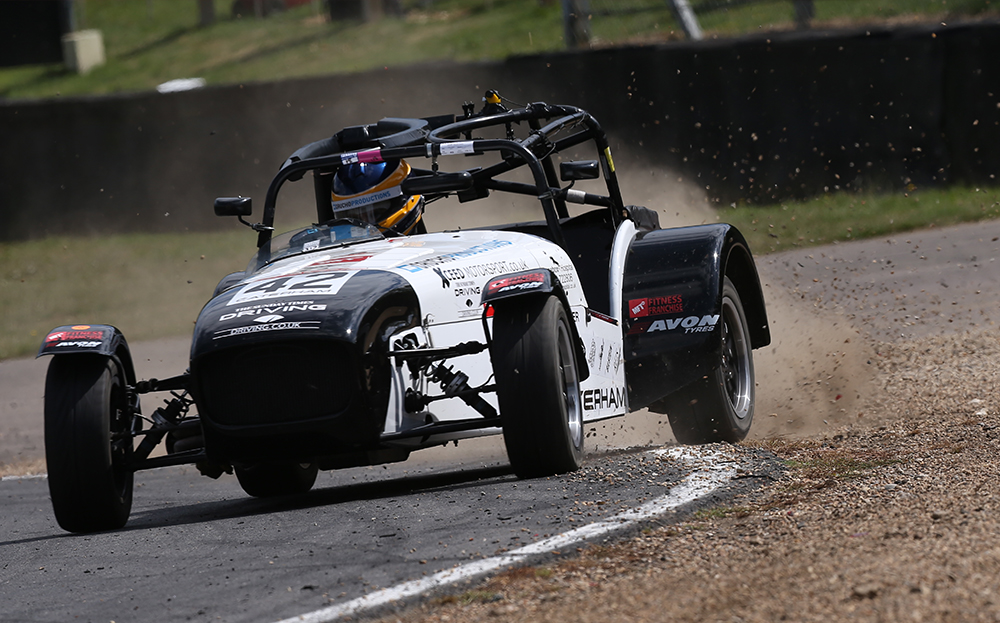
point(365, 336)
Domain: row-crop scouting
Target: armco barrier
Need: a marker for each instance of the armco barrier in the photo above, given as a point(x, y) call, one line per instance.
point(755, 119)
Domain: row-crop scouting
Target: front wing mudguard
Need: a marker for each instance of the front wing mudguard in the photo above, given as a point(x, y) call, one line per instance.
point(93, 339)
point(671, 299)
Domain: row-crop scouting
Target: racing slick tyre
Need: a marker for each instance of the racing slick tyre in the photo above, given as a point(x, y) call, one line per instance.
point(265, 480)
point(719, 407)
point(88, 443)
point(538, 386)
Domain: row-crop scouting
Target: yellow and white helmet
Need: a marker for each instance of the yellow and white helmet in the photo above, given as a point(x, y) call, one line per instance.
point(370, 192)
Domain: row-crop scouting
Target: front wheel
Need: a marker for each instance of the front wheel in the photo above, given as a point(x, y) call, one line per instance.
point(719, 407)
point(265, 480)
point(88, 443)
point(538, 386)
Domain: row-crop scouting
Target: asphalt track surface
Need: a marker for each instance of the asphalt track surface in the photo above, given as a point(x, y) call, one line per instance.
point(200, 549)
point(197, 549)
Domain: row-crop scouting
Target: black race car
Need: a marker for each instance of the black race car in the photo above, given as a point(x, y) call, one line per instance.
point(364, 337)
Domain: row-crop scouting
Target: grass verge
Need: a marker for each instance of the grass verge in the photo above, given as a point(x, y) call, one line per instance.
point(840, 217)
point(149, 42)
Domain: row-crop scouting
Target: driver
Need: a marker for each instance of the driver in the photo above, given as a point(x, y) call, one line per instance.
point(370, 192)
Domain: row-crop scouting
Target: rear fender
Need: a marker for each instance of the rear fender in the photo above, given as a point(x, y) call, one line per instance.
point(671, 305)
point(94, 339)
point(505, 288)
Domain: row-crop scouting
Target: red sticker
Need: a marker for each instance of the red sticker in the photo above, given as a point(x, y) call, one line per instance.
point(638, 308)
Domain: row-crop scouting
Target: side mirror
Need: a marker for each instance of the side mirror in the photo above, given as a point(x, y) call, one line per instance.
point(439, 183)
point(581, 170)
point(233, 206)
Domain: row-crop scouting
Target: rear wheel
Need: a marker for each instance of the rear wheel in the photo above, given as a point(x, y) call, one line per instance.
point(538, 386)
point(88, 443)
point(719, 407)
point(265, 480)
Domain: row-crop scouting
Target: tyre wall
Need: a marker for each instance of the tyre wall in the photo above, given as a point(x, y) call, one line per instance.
point(757, 119)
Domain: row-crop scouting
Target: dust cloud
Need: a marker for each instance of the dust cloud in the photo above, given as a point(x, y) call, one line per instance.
point(816, 375)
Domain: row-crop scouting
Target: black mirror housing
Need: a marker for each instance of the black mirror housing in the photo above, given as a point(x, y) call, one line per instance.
point(233, 206)
point(579, 170)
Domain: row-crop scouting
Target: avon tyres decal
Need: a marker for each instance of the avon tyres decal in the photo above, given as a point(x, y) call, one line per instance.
point(689, 324)
point(298, 285)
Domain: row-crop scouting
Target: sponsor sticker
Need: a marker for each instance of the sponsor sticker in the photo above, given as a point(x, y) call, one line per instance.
point(656, 306)
point(79, 332)
point(369, 156)
point(363, 200)
point(458, 147)
point(321, 284)
point(689, 324)
point(266, 328)
point(265, 310)
point(530, 281)
point(603, 398)
point(466, 291)
point(481, 270)
point(269, 318)
point(566, 274)
point(447, 258)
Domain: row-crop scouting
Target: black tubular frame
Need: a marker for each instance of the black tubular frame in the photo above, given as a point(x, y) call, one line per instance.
point(535, 151)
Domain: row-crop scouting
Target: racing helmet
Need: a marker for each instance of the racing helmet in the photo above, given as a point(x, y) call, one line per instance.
point(370, 192)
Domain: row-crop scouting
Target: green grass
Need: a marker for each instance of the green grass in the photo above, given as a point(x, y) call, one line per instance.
point(148, 42)
point(153, 285)
point(840, 217)
point(146, 48)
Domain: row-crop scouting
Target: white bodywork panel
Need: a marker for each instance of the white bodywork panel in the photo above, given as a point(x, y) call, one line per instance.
point(448, 271)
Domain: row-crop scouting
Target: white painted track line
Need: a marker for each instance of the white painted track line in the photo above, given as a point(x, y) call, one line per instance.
point(711, 470)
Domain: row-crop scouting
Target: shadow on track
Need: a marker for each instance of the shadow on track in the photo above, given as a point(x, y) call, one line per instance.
point(330, 496)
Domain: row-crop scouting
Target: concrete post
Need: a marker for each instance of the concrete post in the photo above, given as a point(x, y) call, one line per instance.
point(83, 50)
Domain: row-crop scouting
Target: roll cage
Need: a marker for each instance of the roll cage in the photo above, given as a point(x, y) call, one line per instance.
point(431, 137)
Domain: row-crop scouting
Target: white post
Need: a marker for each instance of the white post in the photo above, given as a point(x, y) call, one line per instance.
point(83, 50)
point(685, 15)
